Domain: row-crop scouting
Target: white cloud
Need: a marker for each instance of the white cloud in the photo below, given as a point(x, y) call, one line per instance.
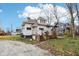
point(42, 10)
point(30, 11)
point(1, 10)
point(61, 12)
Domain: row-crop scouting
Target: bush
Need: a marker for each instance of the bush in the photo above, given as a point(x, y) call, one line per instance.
point(44, 36)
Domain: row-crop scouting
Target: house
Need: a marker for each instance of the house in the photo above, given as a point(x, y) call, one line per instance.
point(77, 29)
point(61, 28)
point(33, 27)
point(18, 31)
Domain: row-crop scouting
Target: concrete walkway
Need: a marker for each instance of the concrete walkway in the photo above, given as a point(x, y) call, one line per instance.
point(16, 48)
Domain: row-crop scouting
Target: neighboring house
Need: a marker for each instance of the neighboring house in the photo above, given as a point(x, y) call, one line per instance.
point(77, 30)
point(13, 33)
point(61, 28)
point(18, 31)
point(33, 27)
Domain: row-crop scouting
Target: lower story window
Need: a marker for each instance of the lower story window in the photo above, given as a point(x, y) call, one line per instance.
point(28, 28)
point(41, 28)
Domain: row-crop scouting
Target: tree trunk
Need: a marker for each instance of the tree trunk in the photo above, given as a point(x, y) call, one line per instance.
point(70, 8)
point(72, 31)
point(54, 33)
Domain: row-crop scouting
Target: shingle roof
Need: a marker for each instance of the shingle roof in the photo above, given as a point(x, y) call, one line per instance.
point(34, 22)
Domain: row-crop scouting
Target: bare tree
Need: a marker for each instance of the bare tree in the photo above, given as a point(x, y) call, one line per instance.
point(70, 7)
point(53, 14)
point(46, 12)
point(49, 17)
point(77, 11)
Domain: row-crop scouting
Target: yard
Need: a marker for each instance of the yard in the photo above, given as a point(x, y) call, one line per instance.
point(18, 38)
point(66, 46)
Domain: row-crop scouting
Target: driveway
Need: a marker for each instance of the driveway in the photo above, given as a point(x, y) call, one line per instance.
point(16, 48)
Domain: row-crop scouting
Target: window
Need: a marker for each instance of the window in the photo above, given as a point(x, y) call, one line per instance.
point(41, 28)
point(18, 30)
point(42, 21)
point(28, 28)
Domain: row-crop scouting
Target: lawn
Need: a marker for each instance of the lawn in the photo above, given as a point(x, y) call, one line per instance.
point(18, 38)
point(10, 37)
point(66, 46)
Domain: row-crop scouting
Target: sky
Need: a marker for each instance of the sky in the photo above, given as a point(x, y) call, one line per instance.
point(15, 13)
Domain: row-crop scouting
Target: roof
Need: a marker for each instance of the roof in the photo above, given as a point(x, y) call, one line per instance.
point(45, 25)
point(35, 23)
point(29, 22)
point(41, 18)
point(32, 21)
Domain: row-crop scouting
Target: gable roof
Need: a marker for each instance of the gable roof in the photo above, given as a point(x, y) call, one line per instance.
point(35, 23)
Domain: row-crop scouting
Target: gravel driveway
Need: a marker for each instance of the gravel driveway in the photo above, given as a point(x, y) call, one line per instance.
point(15, 48)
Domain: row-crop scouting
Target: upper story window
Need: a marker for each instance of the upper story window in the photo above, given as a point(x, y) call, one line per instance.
point(41, 29)
point(42, 21)
point(28, 28)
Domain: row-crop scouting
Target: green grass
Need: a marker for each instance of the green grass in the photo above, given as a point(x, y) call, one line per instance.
point(18, 38)
point(10, 37)
point(67, 46)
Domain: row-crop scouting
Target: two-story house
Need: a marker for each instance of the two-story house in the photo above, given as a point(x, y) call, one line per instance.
point(33, 27)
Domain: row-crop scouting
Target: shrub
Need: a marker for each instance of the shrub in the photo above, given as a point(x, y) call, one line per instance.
point(44, 36)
